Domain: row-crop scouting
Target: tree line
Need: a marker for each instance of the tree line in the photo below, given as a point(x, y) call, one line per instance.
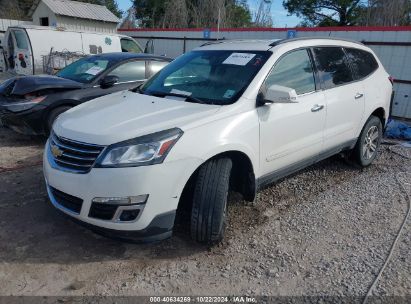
point(234, 13)
point(350, 12)
point(237, 13)
point(192, 13)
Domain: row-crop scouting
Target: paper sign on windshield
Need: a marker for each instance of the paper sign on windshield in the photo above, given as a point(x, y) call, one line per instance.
point(239, 58)
point(94, 70)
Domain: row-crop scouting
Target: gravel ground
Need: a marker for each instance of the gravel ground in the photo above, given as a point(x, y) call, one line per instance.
point(325, 231)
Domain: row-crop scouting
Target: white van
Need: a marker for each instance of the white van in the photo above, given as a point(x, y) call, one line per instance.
point(25, 45)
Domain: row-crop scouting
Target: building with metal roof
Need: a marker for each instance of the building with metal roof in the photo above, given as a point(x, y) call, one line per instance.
point(74, 15)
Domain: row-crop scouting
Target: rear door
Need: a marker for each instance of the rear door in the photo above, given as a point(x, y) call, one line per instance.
point(364, 65)
point(344, 96)
point(20, 57)
point(291, 134)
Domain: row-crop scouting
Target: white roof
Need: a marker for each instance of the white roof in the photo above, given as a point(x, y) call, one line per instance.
point(78, 10)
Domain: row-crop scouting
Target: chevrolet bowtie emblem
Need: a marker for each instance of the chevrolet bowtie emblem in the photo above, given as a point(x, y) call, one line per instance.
point(56, 151)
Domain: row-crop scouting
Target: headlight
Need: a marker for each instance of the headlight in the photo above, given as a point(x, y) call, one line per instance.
point(28, 103)
point(142, 151)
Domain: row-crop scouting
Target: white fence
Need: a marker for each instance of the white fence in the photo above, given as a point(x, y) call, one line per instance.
point(392, 45)
point(5, 23)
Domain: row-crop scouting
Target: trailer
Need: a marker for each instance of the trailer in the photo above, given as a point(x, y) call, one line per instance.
point(25, 46)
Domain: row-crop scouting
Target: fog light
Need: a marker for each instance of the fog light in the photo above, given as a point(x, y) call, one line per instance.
point(129, 215)
point(129, 200)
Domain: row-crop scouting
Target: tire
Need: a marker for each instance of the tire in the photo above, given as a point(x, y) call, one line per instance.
point(366, 148)
point(208, 214)
point(53, 116)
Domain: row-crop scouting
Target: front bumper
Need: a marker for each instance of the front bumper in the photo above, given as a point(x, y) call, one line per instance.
point(29, 122)
point(163, 183)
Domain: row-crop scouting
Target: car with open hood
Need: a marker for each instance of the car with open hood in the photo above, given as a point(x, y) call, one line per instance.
point(30, 104)
point(230, 116)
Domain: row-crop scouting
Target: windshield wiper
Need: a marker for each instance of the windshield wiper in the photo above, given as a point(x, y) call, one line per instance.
point(137, 89)
point(188, 98)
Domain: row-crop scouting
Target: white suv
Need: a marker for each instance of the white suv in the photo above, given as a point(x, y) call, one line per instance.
point(228, 116)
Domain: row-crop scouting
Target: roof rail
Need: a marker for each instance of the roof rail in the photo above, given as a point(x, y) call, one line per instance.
point(224, 40)
point(213, 42)
point(282, 41)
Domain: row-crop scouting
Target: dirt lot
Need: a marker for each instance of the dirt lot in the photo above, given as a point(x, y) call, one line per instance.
point(324, 231)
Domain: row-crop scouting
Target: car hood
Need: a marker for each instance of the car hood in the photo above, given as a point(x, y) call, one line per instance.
point(125, 115)
point(29, 84)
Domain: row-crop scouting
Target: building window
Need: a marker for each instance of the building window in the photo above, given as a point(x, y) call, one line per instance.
point(44, 21)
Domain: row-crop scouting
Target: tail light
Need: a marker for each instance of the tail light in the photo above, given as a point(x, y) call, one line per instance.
point(391, 79)
point(21, 56)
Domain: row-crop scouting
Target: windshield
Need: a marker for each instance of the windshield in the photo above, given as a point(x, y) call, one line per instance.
point(213, 77)
point(85, 70)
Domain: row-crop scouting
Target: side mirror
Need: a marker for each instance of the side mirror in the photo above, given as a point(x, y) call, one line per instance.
point(149, 49)
point(277, 94)
point(108, 81)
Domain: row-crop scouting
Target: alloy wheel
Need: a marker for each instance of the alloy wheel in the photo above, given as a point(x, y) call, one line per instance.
point(370, 144)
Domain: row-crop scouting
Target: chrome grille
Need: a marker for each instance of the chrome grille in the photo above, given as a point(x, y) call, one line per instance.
point(72, 155)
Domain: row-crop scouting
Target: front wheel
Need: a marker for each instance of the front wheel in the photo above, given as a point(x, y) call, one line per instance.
point(53, 116)
point(208, 215)
point(367, 145)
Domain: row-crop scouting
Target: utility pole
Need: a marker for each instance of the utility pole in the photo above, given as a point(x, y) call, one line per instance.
point(218, 23)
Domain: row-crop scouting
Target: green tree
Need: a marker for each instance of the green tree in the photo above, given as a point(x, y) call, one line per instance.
point(325, 12)
point(239, 14)
point(150, 12)
point(199, 13)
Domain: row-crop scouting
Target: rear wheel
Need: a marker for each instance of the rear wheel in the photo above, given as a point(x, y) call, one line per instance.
point(367, 145)
point(53, 116)
point(208, 215)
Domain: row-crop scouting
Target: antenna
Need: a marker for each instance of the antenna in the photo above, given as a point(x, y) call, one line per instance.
point(263, 16)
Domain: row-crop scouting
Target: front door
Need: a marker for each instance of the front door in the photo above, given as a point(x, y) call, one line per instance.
point(345, 97)
point(291, 134)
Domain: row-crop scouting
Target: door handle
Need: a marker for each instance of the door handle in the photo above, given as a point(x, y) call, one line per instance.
point(317, 108)
point(358, 95)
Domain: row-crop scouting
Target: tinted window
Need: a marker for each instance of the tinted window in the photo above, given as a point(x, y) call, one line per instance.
point(363, 62)
point(156, 66)
point(295, 71)
point(130, 71)
point(332, 66)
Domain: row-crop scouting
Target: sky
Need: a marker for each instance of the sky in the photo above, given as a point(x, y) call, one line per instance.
point(279, 14)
